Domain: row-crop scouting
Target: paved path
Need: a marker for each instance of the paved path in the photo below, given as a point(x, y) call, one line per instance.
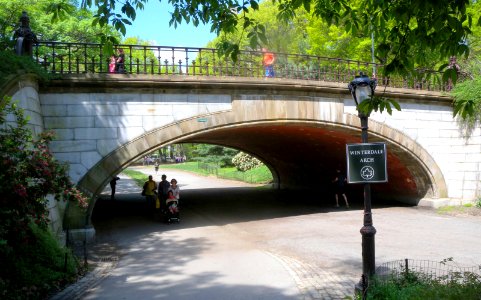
point(249, 243)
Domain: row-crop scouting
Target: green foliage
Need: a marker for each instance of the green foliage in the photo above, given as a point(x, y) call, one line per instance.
point(257, 175)
point(53, 20)
point(412, 285)
point(219, 155)
point(243, 162)
point(38, 267)
point(467, 100)
point(12, 63)
point(407, 33)
point(29, 173)
point(478, 203)
point(378, 103)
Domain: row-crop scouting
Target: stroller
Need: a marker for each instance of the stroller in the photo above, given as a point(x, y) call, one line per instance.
point(172, 212)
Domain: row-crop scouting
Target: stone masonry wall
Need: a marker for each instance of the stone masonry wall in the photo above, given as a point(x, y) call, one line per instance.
point(90, 126)
point(456, 150)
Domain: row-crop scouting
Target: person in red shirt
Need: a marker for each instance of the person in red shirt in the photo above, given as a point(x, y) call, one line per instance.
point(268, 59)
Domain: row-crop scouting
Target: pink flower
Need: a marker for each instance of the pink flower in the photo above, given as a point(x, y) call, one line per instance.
point(21, 190)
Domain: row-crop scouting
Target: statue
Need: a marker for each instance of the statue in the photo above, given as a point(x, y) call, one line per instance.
point(24, 36)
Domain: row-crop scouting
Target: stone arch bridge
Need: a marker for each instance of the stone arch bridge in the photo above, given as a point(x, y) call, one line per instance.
point(299, 129)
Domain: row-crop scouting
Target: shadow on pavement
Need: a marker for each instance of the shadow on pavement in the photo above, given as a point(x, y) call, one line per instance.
point(203, 207)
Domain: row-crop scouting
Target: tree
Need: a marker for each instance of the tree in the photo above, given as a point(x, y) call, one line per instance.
point(404, 30)
point(53, 20)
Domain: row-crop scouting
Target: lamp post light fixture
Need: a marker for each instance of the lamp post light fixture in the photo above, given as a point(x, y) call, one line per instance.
point(362, 88)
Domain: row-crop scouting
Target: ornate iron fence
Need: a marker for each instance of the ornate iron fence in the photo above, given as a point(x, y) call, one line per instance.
point(70, 58)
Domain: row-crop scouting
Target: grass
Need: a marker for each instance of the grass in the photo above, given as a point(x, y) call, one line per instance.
point(457, 209)
point(137, 176)
point(258, 175)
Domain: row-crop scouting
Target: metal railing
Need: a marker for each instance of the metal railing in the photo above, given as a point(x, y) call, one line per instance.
point(441, 271)
point(76, 58)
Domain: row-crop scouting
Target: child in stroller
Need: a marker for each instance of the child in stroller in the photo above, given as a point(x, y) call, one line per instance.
point(172, 213)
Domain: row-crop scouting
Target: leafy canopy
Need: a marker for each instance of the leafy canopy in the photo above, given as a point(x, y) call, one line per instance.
point(399, 27)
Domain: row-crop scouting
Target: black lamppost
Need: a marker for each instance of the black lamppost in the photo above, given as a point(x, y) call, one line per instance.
point(362, 88)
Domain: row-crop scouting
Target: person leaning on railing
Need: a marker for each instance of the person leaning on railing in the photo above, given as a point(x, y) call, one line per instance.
point(120, 61)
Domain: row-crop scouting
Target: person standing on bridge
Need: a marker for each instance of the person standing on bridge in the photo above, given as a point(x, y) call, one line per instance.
point(120, 62)
point(268, 59)
point(112, 64)
point(150, 191)
point(340, 187)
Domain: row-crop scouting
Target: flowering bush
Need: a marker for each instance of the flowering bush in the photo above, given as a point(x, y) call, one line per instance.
point(29, 173)
point(244, 162)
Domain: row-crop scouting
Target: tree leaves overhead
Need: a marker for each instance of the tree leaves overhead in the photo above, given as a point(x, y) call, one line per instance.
point(404, 30)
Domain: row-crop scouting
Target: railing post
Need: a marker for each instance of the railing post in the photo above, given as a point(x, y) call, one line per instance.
point(187, 61)
point(159, 61)
point(166, 61)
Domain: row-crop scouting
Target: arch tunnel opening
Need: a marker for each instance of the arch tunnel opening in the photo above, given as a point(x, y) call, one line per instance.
point(303, 158)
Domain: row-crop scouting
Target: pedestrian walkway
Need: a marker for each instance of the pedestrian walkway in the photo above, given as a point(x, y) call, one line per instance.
point(233, 244)
point(315, 283)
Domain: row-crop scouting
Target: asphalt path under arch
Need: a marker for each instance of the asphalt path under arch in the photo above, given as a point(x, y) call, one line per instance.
point(238, 241)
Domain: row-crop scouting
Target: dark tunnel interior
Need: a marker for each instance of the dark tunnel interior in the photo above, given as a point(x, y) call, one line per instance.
point(305, 156)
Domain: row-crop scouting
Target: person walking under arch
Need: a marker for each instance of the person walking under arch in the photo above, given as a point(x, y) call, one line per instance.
point(340, 186)
point(162, 191)
point(174, 188)
point(113, 184)
point(150, 191)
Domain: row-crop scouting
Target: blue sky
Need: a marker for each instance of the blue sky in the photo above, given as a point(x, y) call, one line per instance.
point(152, 24)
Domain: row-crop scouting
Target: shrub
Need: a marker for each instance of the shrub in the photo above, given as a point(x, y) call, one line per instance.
point(28, 253)
point(413, 285)
point(38, 267)
point(12, 62)
point(243, 162)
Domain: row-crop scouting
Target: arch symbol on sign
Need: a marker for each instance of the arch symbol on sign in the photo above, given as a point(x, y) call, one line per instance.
point(367, 172)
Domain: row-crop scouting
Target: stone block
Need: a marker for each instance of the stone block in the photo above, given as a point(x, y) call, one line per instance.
point(212, 98)
point(106, 146)
point(180, 112)
point(119, 121)
point(64, 98)
point(54, 110)
point(73, 146)
point(34, 118)
point(95, 133)
point(153, 109)
point(64, 134)
point(70, 157)
point(70, 122)
point(127, 134)
point(152, 122)
point(89, 159)
point(76, 172)
point(93, 110)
